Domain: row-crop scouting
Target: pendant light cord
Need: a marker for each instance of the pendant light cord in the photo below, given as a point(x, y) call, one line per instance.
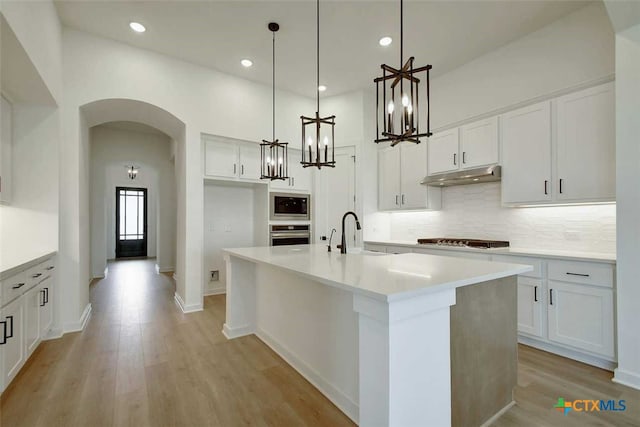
point(318, 56)
point(401, 34)
point(273, 85)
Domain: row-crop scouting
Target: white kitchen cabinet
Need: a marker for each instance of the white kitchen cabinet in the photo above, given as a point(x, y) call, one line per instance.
point(299, 177)
point(526, 154)
point(12, 342)
point(581, 316)
point(479, 143)
point(32, 301)
point(530, 306)
point(401, 169)
point(45, 306)
point(221, 158)
point(249, 161)
point(6, 137)
point(443, 152)
point(585, 145)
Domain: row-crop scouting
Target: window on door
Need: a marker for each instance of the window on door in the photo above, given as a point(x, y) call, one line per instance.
point(131, 222)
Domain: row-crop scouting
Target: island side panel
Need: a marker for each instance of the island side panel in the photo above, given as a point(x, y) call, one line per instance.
point(483, 350)
point(313, 327)
point(241, 297)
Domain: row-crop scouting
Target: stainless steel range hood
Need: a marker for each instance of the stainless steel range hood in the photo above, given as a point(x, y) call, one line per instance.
point(469, 176)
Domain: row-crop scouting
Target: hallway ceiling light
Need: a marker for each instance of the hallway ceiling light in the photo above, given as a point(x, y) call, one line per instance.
point(385, 41)
point(318, 143)
point(137, 27)
point(397, 101)
point(246, 63)
point(132, 171)
point(274, 156)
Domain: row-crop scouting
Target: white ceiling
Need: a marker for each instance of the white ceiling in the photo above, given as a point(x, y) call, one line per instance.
point(218, 34)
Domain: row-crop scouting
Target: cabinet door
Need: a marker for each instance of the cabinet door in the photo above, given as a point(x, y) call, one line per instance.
point(13, 356)
point(586, 166)
point(413, 169)
point(250, 161)
point(221, 159)
point(32, 301)
point(6, 136)
point(46, 310)
point(581, 316)
point(530, 306)
point(443, 152)
point(389, 178)
point(479, 143)
point(300, 177)
point(526, 154)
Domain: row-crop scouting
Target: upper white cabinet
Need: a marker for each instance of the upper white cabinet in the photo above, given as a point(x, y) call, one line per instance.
point(585, 145)
point(470, 146)
point(299, 177)
point(231, 159)
point(400, 171)
point(560, 151)
point(479, 143)
point(526, 154)
point(6, 135)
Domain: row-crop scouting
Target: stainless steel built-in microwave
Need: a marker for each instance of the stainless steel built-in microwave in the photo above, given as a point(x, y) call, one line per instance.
point(290, 206)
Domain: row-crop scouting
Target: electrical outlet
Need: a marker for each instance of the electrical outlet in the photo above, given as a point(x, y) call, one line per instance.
point(214, 275)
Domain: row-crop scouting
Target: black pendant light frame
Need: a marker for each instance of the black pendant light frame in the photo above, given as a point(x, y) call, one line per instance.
point(321, 150)
point(274, 156)
point(406, 77)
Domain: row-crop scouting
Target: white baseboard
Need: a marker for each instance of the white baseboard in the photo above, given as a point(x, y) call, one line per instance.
point(570, 354)
point(231, 333)
point(164, 269)
point(52, 334)
point(184, 307)
point(214, 291)
point(343, 402)
point(80, 324)
point(627, 378)
point(498, 414)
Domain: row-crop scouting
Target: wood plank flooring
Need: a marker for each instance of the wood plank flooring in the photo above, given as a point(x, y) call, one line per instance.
point(141, 362)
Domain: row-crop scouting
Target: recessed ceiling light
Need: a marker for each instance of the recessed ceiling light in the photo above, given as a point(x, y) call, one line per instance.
point(246, 63)
point(385, 41)
point(137, 27)
point(322, 88)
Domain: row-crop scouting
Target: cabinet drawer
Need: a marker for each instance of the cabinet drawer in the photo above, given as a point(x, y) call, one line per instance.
point(398, 250)
point(581, 272)
point(534, 262)
point(13, 287)
point(375, 248)
point(35, 275)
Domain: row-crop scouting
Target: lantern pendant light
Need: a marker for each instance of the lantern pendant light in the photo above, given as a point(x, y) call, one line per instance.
point(318, 147)
point(397, 99)
point(274, 158)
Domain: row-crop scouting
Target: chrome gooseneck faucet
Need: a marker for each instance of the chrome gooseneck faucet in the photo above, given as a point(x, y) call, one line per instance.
point(343, 245)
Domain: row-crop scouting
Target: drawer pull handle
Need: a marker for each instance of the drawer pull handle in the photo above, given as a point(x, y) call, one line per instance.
point(46, 295)
point(535, 294)
point(550, 296)
point(10, 328)
point(51, 267)
point(35, 276)
point(577, 274)
point(42, 301)
point(18, 286)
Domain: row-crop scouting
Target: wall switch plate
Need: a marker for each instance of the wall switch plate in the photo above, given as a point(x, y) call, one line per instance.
point(214, 275)
point(323, 237)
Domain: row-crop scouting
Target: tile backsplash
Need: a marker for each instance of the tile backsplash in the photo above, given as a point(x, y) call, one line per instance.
point(475, 211)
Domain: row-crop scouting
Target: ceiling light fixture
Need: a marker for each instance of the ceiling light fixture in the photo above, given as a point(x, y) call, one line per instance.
point(318, 143)
point(132, 171)
point(401, 87)
point(274, 157)
point(137, 27)
point(246, 63)
point(385, 41)
point(322, 88)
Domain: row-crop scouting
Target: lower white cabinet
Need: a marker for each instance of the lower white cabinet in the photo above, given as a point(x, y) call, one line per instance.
point(46, 309)
point(581, 316)
point(530, 306)
point(12, 343)
point(32, 301)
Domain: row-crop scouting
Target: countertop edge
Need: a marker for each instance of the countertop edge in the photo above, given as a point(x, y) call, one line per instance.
point(584, 256)
point(25, 265)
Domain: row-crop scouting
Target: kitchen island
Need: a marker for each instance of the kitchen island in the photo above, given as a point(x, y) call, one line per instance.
point(392, 340)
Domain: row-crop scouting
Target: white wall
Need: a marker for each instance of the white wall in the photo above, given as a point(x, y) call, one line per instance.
point(111, 150)
point(229, 215)
point(474, 211)
point(206, 101)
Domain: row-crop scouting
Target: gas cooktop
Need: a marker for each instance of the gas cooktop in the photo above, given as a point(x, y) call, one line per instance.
point(469, 243)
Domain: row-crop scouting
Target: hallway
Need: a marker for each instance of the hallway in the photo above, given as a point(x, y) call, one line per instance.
point(141, 362)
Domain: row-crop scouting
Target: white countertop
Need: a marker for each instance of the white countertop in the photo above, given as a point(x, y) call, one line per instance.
point(540, 253)
point(10, 270)
point(384, 277)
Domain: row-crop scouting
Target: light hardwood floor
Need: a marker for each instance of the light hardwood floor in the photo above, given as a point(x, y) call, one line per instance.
point(141, 362)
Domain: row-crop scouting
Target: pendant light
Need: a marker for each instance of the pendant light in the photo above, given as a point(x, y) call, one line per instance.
point(397, 99)
point(274, 159)
point(318, 139)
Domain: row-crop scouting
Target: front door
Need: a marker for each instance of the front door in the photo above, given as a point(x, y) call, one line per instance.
point(131, 222)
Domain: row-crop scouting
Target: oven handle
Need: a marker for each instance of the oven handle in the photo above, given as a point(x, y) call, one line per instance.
point(284, 235)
